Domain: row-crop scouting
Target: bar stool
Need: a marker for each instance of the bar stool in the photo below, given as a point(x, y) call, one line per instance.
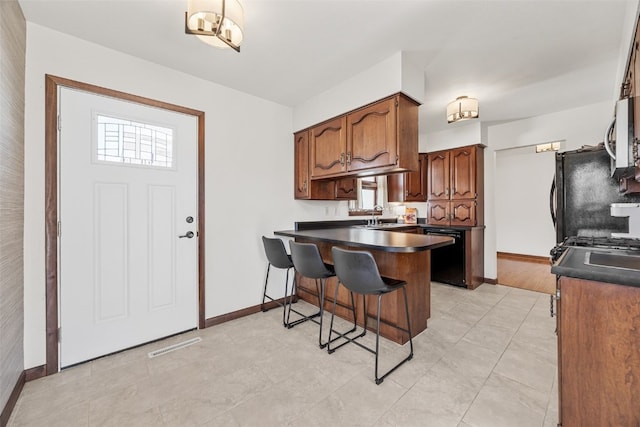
point(278, 258)
point(308, 263)
point(358, 272)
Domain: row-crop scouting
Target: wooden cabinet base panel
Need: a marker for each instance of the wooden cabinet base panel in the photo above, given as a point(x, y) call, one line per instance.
point(598, 354)
point(414, 268)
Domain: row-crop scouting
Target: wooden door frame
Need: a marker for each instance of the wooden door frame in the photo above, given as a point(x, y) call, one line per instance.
point(52, 83)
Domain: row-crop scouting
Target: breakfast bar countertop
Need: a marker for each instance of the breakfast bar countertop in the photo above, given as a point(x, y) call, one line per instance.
point(387, 241)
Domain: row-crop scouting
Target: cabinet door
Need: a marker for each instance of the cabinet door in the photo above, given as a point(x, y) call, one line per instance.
point(463, 212)
point(346, 189)
point(463, 173)
point(328, 148)
point(598, 355)
point(438, 175)
point(416, 182)
point(395, 187)
point(371, 136)
point(301, 165)
point(438, 212)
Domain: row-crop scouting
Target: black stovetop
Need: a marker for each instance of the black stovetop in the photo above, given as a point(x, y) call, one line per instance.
point(595, 242)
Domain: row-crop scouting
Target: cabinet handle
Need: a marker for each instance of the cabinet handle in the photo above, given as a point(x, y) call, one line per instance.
point(304, 185)
point(553, 298)
point(446, 192)
point(348, 157)
point(342, 159)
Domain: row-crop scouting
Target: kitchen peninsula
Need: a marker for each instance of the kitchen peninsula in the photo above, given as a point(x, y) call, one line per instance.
point(404, 256)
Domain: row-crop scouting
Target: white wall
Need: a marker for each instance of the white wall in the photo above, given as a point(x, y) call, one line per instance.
point(459, 135)
point(249, 170)
point(529, 232)
point(522, 183)
point(394, 74)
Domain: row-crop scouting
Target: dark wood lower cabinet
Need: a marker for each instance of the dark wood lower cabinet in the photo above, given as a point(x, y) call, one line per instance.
point(598, 354)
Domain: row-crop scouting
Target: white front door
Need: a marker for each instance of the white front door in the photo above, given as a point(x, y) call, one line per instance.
point(127, 192)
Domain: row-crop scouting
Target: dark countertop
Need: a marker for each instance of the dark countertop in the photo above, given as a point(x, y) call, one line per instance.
point(387, 241)
point(383, 222)
point(572, 264)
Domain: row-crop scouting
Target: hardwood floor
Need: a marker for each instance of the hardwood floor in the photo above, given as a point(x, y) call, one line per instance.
point(526, 272)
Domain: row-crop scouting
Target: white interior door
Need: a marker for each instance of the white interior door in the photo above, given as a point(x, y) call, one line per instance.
point(128, 190)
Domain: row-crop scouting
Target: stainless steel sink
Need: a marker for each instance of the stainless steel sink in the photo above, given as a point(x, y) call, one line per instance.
point(613, 260)
point(384, 225)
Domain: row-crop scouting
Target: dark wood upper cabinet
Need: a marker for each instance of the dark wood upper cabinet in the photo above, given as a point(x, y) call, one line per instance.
point(371, 136)
point(438, 175)
point(463, 173)
point(409, 186)
point(307, 189)
point(301, 165)
point(379, 138)
point(328, 142)
point(346, 189)
point(376, 139)
point(454, 187)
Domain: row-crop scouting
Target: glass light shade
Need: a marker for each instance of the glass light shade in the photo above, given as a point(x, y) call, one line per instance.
point(463, 108)
point(219, 23)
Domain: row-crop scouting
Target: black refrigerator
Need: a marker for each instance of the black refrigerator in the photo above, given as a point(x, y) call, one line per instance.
point(582, 193)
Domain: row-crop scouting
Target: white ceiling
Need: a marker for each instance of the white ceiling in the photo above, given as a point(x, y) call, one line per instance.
point(520, 58)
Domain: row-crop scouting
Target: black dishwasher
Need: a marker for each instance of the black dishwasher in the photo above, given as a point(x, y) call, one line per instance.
point(447, 262)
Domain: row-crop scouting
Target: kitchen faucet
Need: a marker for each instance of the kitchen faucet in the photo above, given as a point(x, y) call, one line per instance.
point(374, 220)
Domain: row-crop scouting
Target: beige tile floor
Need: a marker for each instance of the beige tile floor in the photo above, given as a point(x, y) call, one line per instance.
point(488, 358)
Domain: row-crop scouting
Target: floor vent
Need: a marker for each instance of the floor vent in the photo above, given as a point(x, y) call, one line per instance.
point(174, 347)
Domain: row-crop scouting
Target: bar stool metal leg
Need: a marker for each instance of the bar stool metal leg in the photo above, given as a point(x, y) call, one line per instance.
point(304, 317)
point(357, 271)
point(343, 334)
point(308, 263)
point(277, 257)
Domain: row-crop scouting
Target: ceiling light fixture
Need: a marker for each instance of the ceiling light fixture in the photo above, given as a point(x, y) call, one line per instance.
point(219, 23)
point(463, 108)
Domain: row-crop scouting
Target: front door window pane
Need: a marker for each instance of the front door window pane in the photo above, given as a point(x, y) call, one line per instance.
point(133, 143)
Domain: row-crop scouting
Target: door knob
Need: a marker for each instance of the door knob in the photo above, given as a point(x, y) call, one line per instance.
point(189, 235)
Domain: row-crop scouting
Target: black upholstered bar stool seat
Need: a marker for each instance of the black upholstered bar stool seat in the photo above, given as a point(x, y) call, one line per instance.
point(279, 258)
point(358, 272)
point(308, 263)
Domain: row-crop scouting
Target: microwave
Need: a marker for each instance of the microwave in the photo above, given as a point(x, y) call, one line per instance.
point(623, 152)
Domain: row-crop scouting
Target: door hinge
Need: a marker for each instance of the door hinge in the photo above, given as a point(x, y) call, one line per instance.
point(59, 123)
point(59, 335)
point(59, 228)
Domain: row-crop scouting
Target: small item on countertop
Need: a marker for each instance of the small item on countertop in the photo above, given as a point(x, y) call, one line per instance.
point(400, 219)
point(411, 216)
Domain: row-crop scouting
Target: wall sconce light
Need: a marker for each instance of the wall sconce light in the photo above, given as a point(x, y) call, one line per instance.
point(219, 23)
point(549, 146)
point(463, 108)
